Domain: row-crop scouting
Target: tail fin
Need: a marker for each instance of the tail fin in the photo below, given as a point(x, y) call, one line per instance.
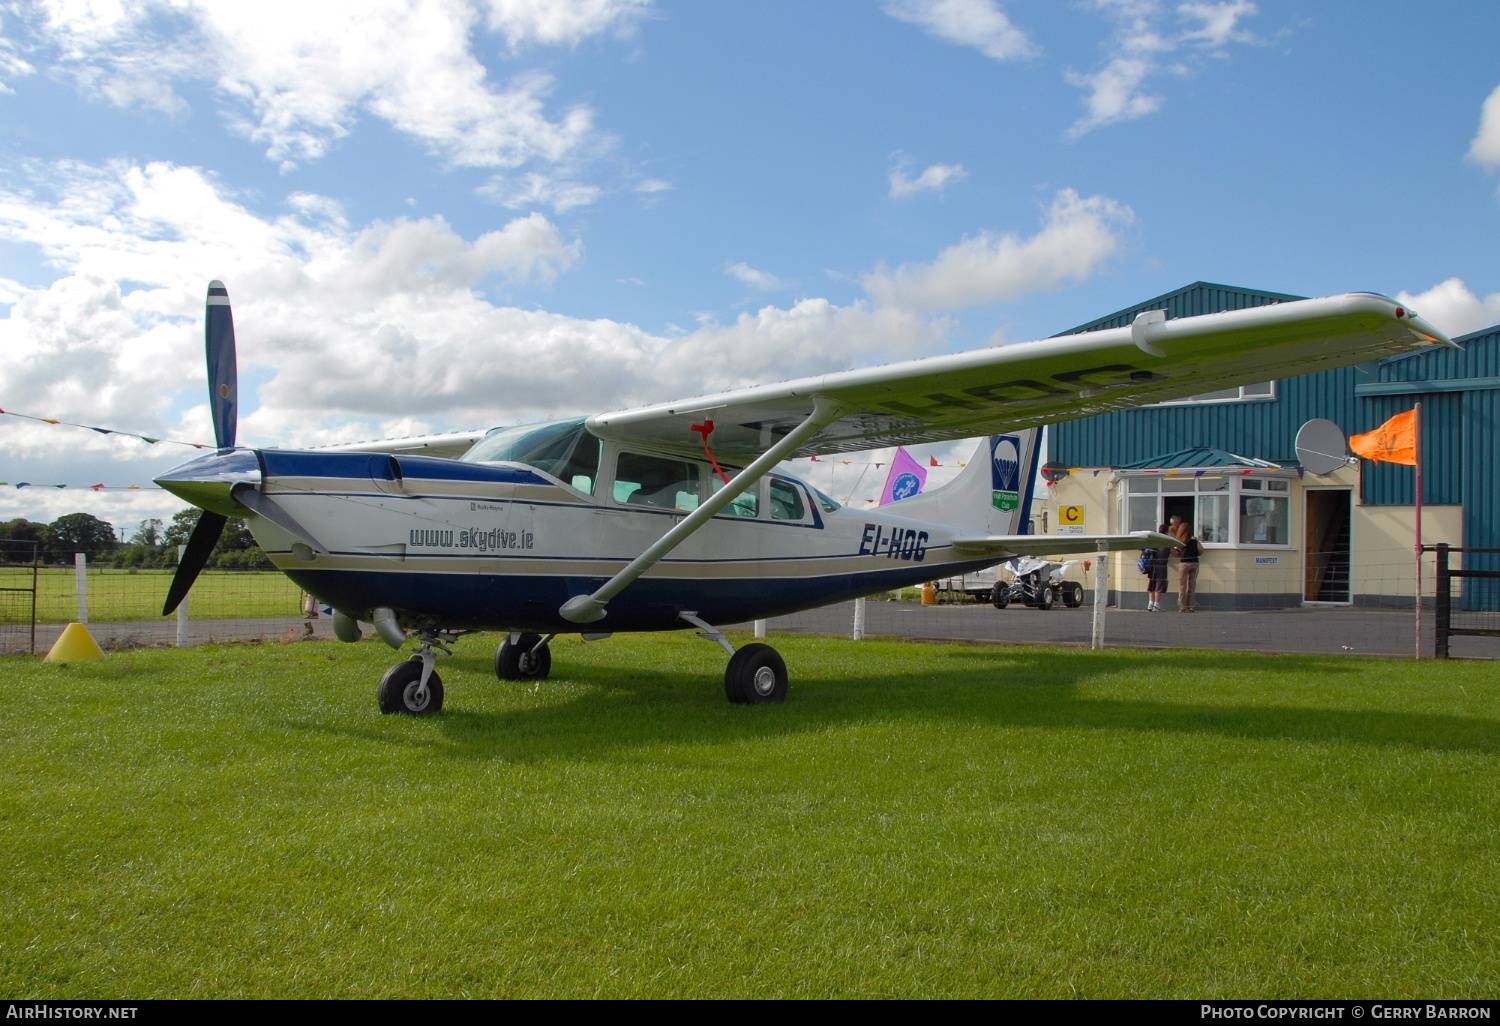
point(992, 495)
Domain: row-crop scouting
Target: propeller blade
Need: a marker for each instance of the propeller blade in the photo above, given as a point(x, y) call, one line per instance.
point(223, 376)
point(199, 547)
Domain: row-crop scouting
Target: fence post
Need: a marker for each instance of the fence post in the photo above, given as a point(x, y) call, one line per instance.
point(859, 619)
point(760, 628)
point(1443, 600)
point(81, 569)
point(1101, 596)
point(182, 608)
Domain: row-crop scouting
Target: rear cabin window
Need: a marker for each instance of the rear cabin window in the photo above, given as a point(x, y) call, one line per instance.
point(745, 504)
point(657, 482)
point(786, 500)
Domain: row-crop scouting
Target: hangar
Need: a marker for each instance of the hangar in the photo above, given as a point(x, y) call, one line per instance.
point(1275, 535)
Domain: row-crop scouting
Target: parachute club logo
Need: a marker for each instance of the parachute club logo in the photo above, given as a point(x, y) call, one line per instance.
point(906, 486)
point(1007, 474)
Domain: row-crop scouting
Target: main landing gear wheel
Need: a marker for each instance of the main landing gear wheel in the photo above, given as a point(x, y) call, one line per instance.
point(518, 661)
point(1000, 595)
point(756, 674)
point(400, 690)
point(1072, 594)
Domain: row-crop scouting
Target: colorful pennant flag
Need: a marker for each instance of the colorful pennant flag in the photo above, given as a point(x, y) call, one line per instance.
point(907, 478)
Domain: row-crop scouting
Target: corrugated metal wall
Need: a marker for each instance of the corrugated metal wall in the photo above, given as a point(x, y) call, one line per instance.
point(1461, 444)
point(1460, 429)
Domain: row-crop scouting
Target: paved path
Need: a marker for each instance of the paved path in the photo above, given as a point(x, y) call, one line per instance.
point(1316, 630)
point(1331, 631)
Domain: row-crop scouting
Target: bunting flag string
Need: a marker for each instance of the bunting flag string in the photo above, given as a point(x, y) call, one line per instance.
point(91, 488)
point(104, 431)
point(931, 462)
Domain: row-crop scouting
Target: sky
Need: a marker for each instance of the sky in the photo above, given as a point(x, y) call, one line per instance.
point(439, 215)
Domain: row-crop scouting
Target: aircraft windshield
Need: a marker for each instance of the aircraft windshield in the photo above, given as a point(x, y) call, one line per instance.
point(562, 448)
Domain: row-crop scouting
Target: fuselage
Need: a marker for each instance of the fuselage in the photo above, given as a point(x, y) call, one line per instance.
point(502, 545)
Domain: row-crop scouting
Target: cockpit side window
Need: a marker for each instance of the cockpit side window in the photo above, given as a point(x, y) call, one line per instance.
point(581, 469)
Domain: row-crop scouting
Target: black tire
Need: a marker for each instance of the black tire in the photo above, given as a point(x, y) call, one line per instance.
point(1044, 596)
point(518, 661)
point(756, 674)
point(1000, 595)
point(399, 685)
point(1072, 594)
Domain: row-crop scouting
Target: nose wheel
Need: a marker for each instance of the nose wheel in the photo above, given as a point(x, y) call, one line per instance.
point(402, 689)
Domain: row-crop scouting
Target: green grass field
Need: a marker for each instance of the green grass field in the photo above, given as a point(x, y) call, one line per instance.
point(125, 595)
point(918, 820)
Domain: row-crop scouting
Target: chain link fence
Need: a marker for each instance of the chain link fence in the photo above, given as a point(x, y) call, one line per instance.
point(18, 590)
point(122, 606)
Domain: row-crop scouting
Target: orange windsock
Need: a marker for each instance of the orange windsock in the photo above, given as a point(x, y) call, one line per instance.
point(1395, 441)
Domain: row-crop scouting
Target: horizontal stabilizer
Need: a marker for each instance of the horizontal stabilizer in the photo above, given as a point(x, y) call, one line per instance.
point(1002, 546)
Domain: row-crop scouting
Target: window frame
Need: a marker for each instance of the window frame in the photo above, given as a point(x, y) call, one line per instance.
point(1236, 492)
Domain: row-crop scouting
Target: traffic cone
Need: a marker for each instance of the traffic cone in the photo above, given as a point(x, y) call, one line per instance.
point(74, 644)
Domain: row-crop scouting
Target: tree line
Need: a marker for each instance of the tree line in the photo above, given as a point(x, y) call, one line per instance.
point(153, 543)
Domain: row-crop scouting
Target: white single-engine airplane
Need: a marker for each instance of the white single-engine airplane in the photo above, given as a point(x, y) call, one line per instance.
point(673, 515)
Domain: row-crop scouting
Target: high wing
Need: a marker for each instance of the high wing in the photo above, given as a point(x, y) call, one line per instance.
point(991, 391)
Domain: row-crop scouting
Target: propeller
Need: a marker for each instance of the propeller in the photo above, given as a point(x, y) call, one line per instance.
point(223, 403)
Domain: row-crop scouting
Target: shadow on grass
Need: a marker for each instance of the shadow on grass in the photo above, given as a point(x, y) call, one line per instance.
point(626, 707)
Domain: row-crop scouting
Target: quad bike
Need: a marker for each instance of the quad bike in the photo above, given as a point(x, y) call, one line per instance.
point(1038, 583)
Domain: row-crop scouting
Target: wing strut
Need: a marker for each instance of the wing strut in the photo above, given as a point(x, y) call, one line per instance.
point(588, 608)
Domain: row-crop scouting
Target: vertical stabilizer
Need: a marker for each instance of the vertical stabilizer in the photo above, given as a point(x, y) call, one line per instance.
point(991, 496)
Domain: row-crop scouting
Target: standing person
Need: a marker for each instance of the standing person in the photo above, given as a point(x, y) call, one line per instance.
point(1177, 527)
point(1156, 581)
point(1187, 569)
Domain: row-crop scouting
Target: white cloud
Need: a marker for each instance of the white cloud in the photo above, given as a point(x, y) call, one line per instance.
point(535, 189)
point(363, 331)
point(935, 178)
point(1139, 47)
point(1452, 307)
point(1485, 149)
point(977, 23)
point(300, 75)
point(12, 65)
point(1079, 234)
point(344, 316)
point(755, 279)
point(814, 336)
point(552, 22)
point(344, 332)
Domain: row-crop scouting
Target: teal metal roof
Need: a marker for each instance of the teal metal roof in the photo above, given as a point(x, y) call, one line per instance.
point(1199, 457)
point(1201, 297)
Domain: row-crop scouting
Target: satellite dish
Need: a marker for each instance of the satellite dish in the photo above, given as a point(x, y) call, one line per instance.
point(1321, 447)
point(1054, 472)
